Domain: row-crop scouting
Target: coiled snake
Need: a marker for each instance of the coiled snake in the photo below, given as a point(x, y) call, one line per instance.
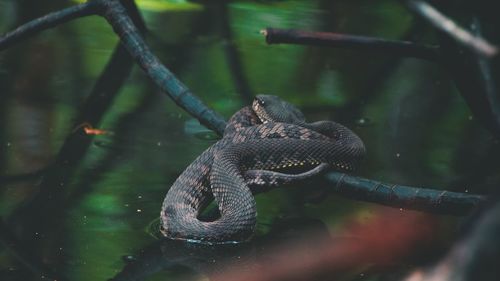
point(259, 142)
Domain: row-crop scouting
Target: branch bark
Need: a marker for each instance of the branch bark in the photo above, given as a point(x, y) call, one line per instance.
point(48, 21)
point(338, 40)
point(448, 26)
point(115, 13)
point(475, 257)
point(407, 197)
point(117, 17)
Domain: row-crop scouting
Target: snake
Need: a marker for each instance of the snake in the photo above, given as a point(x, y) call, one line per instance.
point(263, 146)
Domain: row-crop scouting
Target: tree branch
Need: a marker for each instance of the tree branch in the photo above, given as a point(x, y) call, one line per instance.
point(474, 257)
point(117, 17)
point(46, 22)
point(407, 197)
point(367, 190)
point(116, 14)
point(337, 40)
point(448, 26)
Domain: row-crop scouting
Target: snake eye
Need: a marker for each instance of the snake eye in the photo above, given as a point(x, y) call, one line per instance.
point(260, 101)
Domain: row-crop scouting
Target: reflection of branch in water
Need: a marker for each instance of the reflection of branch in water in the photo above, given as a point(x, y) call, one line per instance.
point(25, 256)
point(212, 260)
point(99, 100)
point(31, 176)
point(167, 255)
point(109, 161)
point(386, 238)
point(232, 56)
point(50, 197)
point(117, 16)
point(122, 129)
point(291, 250)
point(164, 79)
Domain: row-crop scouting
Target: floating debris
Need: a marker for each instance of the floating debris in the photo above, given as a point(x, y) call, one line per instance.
point(364, 122)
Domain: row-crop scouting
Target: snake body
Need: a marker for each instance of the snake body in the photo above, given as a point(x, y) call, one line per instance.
point(258, 143)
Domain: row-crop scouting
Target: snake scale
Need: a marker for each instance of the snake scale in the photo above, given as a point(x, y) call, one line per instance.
point(259, 143)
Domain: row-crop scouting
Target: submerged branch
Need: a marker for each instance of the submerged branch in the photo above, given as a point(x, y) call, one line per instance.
point(448, 26)
point(46, 22)
point(337, 40)
point(407, 197)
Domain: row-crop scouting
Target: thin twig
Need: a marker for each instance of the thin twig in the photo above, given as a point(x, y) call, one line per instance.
point(460, 34)
point(46, 22)
point(407, 197)
point(337, 40)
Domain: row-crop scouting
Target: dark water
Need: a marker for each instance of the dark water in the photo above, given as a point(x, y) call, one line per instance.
point(416, 127)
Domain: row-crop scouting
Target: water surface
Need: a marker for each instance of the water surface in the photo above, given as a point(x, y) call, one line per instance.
point(417, 129)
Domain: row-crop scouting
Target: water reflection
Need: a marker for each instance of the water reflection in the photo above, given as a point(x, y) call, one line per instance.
point(416, 127)
point(173, 257)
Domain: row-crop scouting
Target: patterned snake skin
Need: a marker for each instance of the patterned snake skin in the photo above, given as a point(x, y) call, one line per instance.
point(259, 143)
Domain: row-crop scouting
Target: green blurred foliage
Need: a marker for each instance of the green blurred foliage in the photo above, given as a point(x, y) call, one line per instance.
point(417, 119)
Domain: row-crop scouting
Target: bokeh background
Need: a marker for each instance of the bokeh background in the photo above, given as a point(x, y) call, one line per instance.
point(417, 128)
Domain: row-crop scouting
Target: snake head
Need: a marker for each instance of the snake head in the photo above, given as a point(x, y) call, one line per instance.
point(273, 109)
